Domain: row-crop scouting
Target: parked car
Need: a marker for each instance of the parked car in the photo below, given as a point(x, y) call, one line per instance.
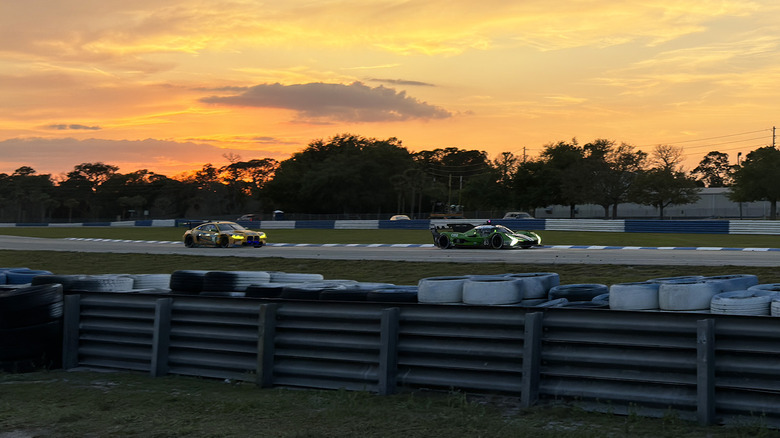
point(517, 215)
point(399, 217)
point(249, 218)
point(223, 234)
point(482, 236)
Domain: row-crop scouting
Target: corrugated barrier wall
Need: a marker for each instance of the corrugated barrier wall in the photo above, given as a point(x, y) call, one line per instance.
point(706, 367)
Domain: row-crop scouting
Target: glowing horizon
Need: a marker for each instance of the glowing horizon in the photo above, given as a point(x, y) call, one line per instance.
point(171, 86)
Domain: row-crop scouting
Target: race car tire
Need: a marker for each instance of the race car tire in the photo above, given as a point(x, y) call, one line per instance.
point(743, 302)
point(443, 242)
point(577, 292)
point(534, 285)
point(189, 242)
point(489, 291)
point(687, 295)
point(224, 241)
point(440, 290)
point(733, 282)
point(642, 295)
point(233, 281)
point(187, 281)
point(771, 287)
point(496, 241)
point(293, 277)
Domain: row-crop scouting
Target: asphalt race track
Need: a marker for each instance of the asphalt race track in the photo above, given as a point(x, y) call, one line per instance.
point(544, 255)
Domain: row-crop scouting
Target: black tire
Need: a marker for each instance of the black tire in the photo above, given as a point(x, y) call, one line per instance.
point(305, 292)
point(577, 292)
point(224, 241)
point(268, 290)
point(496, 241)
point(28, 297)
point(398, 294)
point(189, 242)
point(188, 281)
point(31, 342)
point(443, 242)
point(30, 305)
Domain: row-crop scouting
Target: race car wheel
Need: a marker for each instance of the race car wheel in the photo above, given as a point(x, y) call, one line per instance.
point(189, 242)
point(224, 241)
point(496, 242)
point(443, 241)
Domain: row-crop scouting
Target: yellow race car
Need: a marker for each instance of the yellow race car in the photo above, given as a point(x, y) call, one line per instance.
point(223, 234)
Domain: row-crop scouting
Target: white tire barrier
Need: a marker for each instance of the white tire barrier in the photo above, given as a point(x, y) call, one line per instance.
point(490, 291)
point(535, 285)
point(771, 287)
point(441, 289)
point(687, 295)
point(160, 282)
point(743, 302)
point(103, 283)
point(733, 282)
point(641, 295)
point(774, 309)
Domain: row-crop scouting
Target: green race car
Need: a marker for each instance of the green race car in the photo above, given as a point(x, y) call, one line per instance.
point(482, 236)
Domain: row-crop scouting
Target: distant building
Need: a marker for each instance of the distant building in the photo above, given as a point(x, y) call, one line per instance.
point(714, 204)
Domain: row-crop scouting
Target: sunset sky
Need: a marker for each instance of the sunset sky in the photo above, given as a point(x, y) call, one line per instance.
point(171, 85)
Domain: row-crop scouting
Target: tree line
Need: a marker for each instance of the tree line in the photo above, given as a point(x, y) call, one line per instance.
point(352, 175)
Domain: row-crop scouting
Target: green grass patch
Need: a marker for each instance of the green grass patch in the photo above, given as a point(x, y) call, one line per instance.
point(361, 270)
point(84, 403)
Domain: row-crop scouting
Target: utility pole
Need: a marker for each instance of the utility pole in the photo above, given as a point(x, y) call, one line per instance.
point(774, 130)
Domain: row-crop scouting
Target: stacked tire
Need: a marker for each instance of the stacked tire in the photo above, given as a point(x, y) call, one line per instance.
point(30, 327)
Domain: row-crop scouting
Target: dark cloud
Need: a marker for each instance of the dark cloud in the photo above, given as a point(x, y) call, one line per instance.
point(64, 127)
point(354, 103)
point(402, 82)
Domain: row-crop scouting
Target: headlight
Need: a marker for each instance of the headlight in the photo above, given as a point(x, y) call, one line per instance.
point(237, 236)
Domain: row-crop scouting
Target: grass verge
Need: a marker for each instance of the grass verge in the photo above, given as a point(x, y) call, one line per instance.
point(87, 403)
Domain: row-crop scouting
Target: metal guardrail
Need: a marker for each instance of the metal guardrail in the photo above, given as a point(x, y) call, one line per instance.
point(705, 367)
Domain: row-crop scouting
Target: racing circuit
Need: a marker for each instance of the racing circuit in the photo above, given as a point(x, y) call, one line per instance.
point(423, 253)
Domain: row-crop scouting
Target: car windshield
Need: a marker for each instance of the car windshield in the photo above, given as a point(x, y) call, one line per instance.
point(503, 229)
point(231, 226)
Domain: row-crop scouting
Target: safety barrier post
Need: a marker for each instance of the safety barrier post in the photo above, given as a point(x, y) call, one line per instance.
point(388, 350)
point(532, 358)
point(70, 331)
point(705, 371)
point(161, 337)
point(266, 345)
